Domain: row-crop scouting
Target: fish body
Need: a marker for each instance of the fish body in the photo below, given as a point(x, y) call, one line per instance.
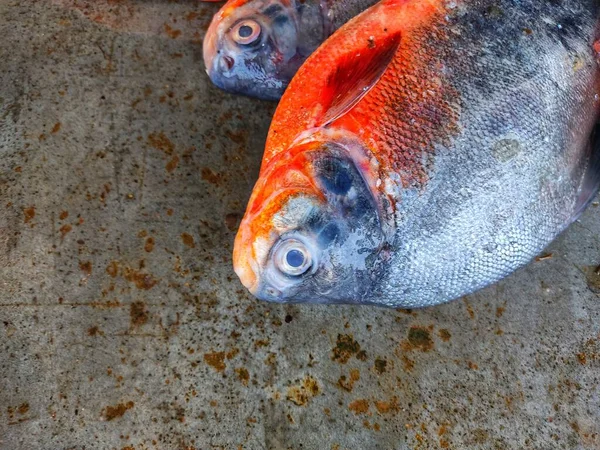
point(254, 47)
point(424, 151)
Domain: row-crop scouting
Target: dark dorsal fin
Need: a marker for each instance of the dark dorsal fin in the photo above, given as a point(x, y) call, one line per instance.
point(356, 73)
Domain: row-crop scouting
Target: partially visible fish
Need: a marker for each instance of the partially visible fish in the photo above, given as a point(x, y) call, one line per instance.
point(254, 47)
point(424, 151)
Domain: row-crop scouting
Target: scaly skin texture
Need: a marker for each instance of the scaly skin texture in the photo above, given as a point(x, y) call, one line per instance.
point(474, 142)
point(290, 30)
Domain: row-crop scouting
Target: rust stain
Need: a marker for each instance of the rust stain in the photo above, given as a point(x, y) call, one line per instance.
point(95, 331)
point(444, 334)
point(29, 214)
point(419, 338)
point(215, 360)
point(23, 408)
point(86, 267)
point(500, 311)
point(469, 309)
point(149, 246)
point(65, 229)
point(113, 412)
point(172, 164)
point(173, 33)
point(408, 363)
point(63, 215)
point(141, 280)
point(380, 365)
point(56, 128)
point(347, 383)
point(138, 314)
point(232, 221)
point(188, 240)
point(302, 393)
point(384, 407)
point(113, 269)
point(345, 348)
point(161, 142)
point(211, 177)
point(243, 375)
point(359, 406)
point(232, 353)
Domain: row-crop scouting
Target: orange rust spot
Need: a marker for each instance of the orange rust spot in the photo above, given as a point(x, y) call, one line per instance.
point(29, 214)
point(172, 32)
point(232, 353)
point(94, 331)
point(23, 408)
point(215, 360)
point(582, 358)
point(161, 142)
point(138, 314)
point(243, 375)
point(387, 407)
point(409, 364)
point(301, 394)
point(348, 383)
point(172, 164)
point(359, 406)
point(63, 215)
point(56, 128)
point(141, 280)
point(191, 16)
point(113, 412)
point(444, 334)
point(188, 240)
point(211, 177)
point(113, 269)
point(65, 229)
point(469, 309)
point(500, 311)
point(149, 246)
point(472, 365)
point(86, 267)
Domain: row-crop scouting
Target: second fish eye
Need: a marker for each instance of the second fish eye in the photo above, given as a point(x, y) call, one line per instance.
point(246, 32)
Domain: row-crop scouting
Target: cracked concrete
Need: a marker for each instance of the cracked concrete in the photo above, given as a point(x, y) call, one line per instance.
point(123, 175)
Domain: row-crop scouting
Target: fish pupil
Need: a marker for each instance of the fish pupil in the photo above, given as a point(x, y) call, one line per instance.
point(245, 31)
point(294, 258)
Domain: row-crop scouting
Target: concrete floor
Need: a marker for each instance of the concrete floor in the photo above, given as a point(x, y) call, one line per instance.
point(123, 175)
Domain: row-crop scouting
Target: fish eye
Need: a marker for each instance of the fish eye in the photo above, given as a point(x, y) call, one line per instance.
point(292, 257)
point(246, 32)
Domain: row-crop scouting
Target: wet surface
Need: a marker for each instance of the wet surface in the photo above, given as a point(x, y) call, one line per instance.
point(123, 177)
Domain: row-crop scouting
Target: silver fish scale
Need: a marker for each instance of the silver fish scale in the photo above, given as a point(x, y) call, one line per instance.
point(509, 182)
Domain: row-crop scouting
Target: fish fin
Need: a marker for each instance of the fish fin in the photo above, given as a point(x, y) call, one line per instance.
point(591, 180)
point(355, 75)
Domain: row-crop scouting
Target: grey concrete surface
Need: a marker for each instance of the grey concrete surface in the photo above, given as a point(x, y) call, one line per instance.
point(123, 175)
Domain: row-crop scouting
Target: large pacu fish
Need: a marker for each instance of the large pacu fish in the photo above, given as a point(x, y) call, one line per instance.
point(424, 151)
point(254, 47)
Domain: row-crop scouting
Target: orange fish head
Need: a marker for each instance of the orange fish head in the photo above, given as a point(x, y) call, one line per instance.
point(312, 230)
point(254, 47)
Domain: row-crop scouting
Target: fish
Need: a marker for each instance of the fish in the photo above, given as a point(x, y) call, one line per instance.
point(426, 150)
point(254, 47)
